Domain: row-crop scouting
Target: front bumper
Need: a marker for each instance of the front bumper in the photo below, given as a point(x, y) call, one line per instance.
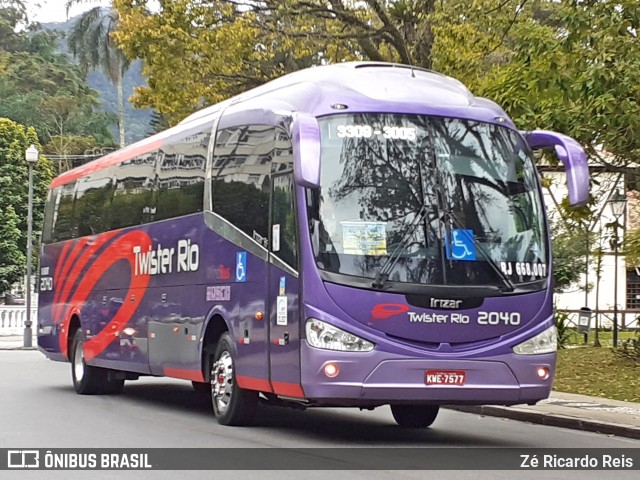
point(377, 378)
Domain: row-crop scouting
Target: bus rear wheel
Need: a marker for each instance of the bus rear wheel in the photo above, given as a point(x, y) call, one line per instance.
point(88, 380)
point(232, 405)
point(414, 416)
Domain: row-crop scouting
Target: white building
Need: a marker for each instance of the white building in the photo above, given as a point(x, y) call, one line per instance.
point(598, 291)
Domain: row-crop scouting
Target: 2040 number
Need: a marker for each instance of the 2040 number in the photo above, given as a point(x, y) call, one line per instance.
point(498, 318)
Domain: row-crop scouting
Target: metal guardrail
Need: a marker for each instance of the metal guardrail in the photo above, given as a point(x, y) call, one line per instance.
point(627, 319)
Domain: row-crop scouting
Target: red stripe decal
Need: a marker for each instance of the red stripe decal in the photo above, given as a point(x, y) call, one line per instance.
point(120, 249)
point(61, 260)
point(63, 308)
point(193, 375)
point(258, 384)
point(79, 261)
point(61, 279)
point(288, 389)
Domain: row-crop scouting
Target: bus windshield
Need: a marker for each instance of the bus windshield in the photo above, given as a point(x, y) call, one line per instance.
point(413, 199)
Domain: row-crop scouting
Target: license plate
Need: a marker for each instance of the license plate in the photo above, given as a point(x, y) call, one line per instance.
point(445, 377)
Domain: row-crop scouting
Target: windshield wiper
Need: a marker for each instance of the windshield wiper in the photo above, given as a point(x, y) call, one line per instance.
point(510, 287)
point(392, 260)
point(450, 217)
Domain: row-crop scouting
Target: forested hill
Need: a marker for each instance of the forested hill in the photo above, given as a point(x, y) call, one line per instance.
point(136, 120)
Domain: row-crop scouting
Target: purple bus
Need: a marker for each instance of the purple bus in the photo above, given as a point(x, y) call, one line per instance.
point(353, 235)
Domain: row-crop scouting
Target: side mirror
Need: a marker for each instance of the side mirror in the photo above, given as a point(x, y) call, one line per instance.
point(572, 156)
point(305, 134)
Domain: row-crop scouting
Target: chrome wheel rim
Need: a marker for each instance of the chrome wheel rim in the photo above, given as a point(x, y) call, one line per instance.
point(78, 362)
point(222, 381)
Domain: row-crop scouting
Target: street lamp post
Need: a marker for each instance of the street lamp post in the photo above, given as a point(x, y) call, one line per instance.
point(31, 156)
point(618, 202)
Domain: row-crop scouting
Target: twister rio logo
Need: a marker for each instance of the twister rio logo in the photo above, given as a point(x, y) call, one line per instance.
point(81, 265)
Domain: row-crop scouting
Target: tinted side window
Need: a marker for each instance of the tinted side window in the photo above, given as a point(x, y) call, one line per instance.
point(283, 213)
point(133, 194)
point(49, 211)
point(284, 219)
point(92, 214)
point(241, 178)
point(180, 178)
point(63, 221)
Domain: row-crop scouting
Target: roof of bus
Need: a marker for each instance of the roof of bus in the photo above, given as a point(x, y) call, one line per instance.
point(341, 88)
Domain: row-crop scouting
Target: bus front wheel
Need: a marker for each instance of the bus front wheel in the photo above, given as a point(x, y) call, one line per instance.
point(88, 380)
point(414, 416)
point(232, 405)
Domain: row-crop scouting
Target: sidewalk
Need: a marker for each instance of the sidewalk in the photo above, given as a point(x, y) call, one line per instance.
point(566, 410)
point(570, 410)
point(15, 342)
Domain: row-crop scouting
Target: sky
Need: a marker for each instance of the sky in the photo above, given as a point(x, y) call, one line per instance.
point(54, 10)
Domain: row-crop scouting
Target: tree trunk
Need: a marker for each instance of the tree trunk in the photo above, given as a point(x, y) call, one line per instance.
point(120, 108)
point(424, 43)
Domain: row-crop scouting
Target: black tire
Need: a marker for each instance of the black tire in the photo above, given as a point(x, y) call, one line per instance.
point(414, 416)
point(88, 380)
point(232, 405)
point(113, 386)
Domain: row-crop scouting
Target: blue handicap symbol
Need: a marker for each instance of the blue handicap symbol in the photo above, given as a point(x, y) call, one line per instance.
point(241, 267)
point(460, 245)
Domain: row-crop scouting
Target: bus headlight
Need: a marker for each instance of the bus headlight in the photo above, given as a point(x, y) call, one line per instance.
point(544, 342)
point(326, 336)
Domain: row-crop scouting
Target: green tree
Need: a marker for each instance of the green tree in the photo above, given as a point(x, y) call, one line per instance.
point(14, 184)
point(183, 59)
point(92, 42)
point(13, 13)
point(197, 52)
point(12, 260)
point(41, 87)
point(574, 67)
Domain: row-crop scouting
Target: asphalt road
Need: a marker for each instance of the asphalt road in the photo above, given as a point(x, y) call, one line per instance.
point(39, 409)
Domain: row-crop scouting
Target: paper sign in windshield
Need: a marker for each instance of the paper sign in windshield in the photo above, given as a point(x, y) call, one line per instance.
point(364, 238)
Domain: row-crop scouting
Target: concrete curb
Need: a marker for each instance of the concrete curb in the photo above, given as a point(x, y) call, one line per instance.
point(551, 420)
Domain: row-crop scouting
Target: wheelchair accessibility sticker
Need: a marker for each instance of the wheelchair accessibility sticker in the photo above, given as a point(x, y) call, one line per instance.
point(460, 245)
point(241, 267)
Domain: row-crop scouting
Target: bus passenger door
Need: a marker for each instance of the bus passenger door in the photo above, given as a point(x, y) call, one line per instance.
point(284, 355)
